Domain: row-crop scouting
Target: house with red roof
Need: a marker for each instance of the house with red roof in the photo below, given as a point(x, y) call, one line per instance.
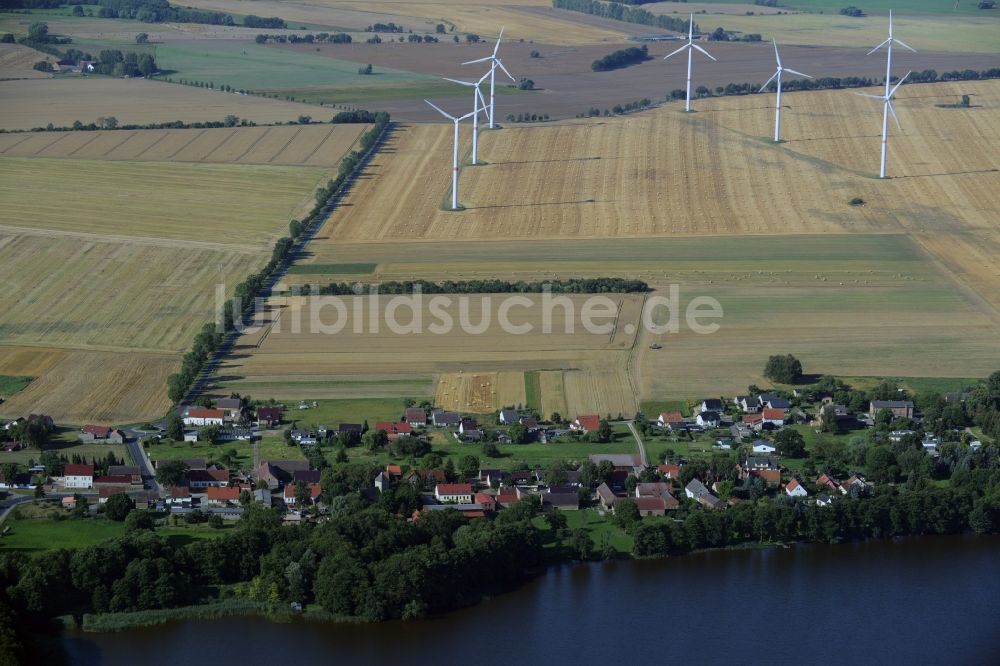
point(268, 416)
point(201, 416)
point(103, 434)
point(221, 496)
point(289, 493)
point(775, 417)
point(457, 493)
point(394, 471)
point(394, 430)
point(795, 489)
point(415, 416)
point(213, 477)
point(586, 423)
point(669, 471)
point(672, 420)
point(753, 421)
point(650, 506)
point(78, 476)
point(487, 501)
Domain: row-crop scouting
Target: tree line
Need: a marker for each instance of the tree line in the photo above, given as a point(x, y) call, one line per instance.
point(622, 12)
point(208, 340)
point(622, 58)
point(308, 38)
point(604, 285)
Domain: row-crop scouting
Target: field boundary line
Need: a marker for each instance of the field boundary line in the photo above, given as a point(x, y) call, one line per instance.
point(14, 145)
point(251, 146)
point(162, 137)
point(186, 144)
point(116, 239)
point(319, 144)
point(48, 145)
point(118, 145)
point(234, 131)
point(285, 147)
point(83, 145)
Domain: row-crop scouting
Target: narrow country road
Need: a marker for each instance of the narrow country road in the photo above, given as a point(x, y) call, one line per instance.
point(638, 440)
point(140, 458)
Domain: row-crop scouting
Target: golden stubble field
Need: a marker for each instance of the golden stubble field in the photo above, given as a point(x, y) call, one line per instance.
point(478, 372)
point(286, 145)
point(36, 103)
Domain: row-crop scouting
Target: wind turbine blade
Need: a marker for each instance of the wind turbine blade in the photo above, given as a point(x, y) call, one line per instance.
point(776, 56)
point(878, 97)
point(705, 52)
point(462, 83)
point(878, 47)
point(484, 77)
point(677, 51)
point(905, 46)
point(792, 71)
point(773, 76)
point(893, 112)
point(473, 62)
point(497, 47)
point(500, 65)
point(438, 109)
point(482, 100)
point(899, 83)
point(468, 115)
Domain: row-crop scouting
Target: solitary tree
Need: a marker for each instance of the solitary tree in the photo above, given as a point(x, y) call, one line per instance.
point(790, 443)
point(141, 38)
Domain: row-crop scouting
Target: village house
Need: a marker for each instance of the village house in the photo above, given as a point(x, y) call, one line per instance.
point(899, 408)
point(650, 506)
point(711, 405)
point(492, 477)
point(115, 484)
point(222, 497)
point(529, 422)
point(487, 501)
point(762, 446)
point(697, 491)
point(415, 416)
point(795, 489)
point(235, 434)
point(179, 496)
point(586, 423)
point(765, 467)
point(291, 488)
point(606, 497)
point(564, 499)
point(304, 438)
point(268, 417)
point(659, 490)
point(232, 408)
point(896, 436)
point(382, 481)
point(669, 470)
point(631, 463)
point(101, 434)
point(506, 496)
point(213, 477)
point(508, 417)
point(131, 471)
point(455, 493)
point(773, 416)
point(772, 401)
point(708, 419)
point(275, 473)
point(671, 420)
point(201, 416)
point(78, 476)
point(747, 404)
point(753, 422)
point(467, 425)
point(445, 419)
point(394, 430)
point(420, 477)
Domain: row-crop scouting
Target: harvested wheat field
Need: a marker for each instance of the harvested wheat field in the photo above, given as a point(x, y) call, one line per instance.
point(93, 387)
point(290, 145)
point(29, 104)
point(480, 392)
point(16, 62)
point(242, 207)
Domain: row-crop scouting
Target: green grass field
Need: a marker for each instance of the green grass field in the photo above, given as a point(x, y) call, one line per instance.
point(332, 269)
point(653, 408)
point(332, 413)
point(250, 66)
point(967, 8)
point(269, 448)
point(36, 535)
point(533, 390)
point(64, 443)
point(11, 385)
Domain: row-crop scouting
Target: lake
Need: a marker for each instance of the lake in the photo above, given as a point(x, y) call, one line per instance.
point(916, 601)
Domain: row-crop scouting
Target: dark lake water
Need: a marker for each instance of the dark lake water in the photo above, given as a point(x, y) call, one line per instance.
point(913, 601)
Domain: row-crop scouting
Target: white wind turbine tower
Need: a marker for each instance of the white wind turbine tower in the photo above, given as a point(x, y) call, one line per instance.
point(886, 110)
point(777, 76)
point(690, 46)
point(494, 61)
point(888, 60)
point(477, 98)
point(454, 163)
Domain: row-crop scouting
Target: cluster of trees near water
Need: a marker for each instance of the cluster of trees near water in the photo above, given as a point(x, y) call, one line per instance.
point(621, 58)
point(620, 12)
point(605, 285)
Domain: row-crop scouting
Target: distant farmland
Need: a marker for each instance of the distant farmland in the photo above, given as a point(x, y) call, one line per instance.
point(287, 145)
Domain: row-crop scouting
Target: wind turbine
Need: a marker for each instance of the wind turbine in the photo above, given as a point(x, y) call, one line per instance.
point(777, 76)
point(888, 60)
point(477, 97)
point(886, 110)
point(454, 163)
point(494, 61)
point(689, 46)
